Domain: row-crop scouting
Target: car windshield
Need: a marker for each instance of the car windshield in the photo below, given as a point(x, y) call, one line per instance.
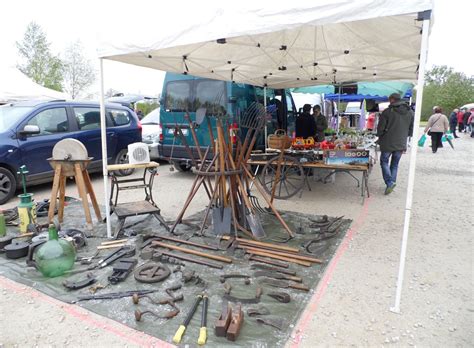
point(9, 115)
point(152, 118)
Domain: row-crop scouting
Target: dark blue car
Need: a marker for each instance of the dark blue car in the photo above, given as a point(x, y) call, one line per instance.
point(29, 131)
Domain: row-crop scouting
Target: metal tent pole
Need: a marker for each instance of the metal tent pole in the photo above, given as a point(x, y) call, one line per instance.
point(411, 170)
point(103, 138)
point(265, 107)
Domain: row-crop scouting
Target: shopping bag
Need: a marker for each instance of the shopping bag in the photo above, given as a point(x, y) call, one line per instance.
point(422, 140)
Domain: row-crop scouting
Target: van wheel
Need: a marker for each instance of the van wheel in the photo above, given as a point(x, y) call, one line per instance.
point(182, 166)
point(7, 185)
point(122, 158)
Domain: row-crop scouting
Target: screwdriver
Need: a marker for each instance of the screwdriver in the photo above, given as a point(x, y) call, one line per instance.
point(182, 328)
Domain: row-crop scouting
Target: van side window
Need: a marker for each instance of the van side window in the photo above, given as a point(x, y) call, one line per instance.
point(210, 95)
point(51, 121)
point(178, 96)
point(87, 118)
point(120, 117)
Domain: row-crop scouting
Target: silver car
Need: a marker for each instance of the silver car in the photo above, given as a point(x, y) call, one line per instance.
point(152, 132)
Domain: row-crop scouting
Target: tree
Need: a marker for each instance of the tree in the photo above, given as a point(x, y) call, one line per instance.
point(446, 88)
point(38, 62)
point(78, 71)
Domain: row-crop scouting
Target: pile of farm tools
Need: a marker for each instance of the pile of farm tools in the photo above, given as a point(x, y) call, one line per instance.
point(227, 179)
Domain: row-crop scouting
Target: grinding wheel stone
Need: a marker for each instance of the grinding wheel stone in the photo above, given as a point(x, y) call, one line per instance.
point(69, 149)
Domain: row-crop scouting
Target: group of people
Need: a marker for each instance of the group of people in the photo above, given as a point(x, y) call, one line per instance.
point(311, 125)
point(462, 119)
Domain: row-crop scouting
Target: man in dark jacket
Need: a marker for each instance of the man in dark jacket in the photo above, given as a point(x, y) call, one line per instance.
point(453, 121)
point(305, 126)
point(395, 126)
point(321, 123)
point(465, 118)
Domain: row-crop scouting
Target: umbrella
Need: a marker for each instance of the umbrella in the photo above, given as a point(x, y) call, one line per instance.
point(450, 142)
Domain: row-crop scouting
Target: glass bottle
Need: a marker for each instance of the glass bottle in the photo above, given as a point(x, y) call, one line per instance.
point(56, 256)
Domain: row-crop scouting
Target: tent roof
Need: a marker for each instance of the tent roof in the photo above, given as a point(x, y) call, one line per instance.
point(302, 44)
point(16, 86)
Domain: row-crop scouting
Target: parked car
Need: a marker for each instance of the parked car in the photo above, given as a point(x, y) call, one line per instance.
point(152, 132)
point(29, 131)
point(187, 94)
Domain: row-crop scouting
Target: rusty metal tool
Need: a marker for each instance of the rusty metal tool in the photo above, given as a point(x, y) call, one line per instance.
point(194, 252)
point(203, 330)
point(181, 241)
point(151, 272)
point(280, 296)
point(269, 262)
point(283, 284)
point(277, 275)
point(278, 257)
point(277, 323)
point(270, 268)
point(167, 256)
point(261, 310)
point(222, 323)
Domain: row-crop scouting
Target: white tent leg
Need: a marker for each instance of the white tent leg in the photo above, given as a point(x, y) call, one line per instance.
point(411, 170)
point(265, 107)
point(103, 136)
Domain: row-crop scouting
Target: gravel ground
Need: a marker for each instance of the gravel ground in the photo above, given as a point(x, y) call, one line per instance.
point(437, 300)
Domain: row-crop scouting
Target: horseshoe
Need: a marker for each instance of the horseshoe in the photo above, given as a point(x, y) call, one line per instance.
point(151, 272)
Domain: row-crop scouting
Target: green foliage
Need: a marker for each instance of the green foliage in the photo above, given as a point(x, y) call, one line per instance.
point(446, 88)
point(37, 60)
point(146, 108)
point(79, 73)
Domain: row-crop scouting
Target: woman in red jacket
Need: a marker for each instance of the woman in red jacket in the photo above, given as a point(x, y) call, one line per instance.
point(460, 121)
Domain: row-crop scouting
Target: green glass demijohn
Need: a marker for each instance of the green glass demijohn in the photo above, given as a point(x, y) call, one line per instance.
point(56, 256)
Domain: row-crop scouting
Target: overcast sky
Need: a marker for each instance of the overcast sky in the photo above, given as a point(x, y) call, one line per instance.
point(451, 40)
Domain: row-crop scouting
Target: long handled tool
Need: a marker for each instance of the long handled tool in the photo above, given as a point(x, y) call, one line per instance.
point(203, 330)
point(182, 328)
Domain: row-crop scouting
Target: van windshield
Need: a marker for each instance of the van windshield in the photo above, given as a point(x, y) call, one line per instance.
point(10, 115)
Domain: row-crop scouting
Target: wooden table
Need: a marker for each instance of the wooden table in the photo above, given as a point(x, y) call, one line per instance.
point(297, 171)
point(145, 182)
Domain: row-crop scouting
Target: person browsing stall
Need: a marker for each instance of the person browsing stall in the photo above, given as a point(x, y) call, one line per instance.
point(437, 125)
point(305, 125)
point(394, 127)
point(321, 123)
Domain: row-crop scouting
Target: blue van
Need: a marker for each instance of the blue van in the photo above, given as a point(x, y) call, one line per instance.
point(183, 94)
point(29, 131)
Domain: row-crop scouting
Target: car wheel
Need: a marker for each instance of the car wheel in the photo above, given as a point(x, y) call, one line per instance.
point(182, 166)
point(7, 185)
point(122, 158)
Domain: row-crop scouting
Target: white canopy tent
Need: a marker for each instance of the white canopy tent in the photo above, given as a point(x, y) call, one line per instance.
point(16, 86)
point(283, 45)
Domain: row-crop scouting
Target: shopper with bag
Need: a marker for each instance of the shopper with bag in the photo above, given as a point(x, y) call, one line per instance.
point(394, 127)
point(438, 124)
point(453, 122)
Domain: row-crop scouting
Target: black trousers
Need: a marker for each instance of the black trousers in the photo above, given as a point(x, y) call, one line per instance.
point(461, 127)
point(436, 141)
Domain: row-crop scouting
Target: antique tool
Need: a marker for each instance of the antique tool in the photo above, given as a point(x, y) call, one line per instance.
point(270, 268)
point(222, 323)
point(289, 255)
point(181, 241)
point(127, 251)
point(263, 244)
point(79, 284)
point(27, 207)
point(170, 257)
point(235, 323)
point(171, 314)
point(203, 330)
point(280, 296)
point(121, 270)
point(283, 284)
point(277, 275)
point(269, 262)
point(278, 257)
point(252, 300)
point(136, 297)
point(115, 295)
point(276, 323)
point(224, 277)
point(182, 328)
point(261, 310)
point(194, 252)
point(16, 250)
point(151, 272)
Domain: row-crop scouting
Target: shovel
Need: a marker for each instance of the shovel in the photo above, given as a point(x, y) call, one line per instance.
point(221, 220)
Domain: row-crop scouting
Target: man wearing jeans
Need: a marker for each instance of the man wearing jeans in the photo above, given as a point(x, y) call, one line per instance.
point(394, 127)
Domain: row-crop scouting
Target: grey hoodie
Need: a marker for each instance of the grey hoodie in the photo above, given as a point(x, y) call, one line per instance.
point(394, 127)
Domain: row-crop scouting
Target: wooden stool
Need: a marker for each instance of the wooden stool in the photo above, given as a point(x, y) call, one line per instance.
point(77, 169)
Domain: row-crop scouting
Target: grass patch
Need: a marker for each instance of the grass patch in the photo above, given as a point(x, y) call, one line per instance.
point(423, 123)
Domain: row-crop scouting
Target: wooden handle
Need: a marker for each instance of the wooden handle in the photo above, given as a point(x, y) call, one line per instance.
point(294, 256)
point(298, 286)
point(110, 246)
point(294, 278)
point(193, 252)
point(268, 245)
point(114, 241)
point(277, 257)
